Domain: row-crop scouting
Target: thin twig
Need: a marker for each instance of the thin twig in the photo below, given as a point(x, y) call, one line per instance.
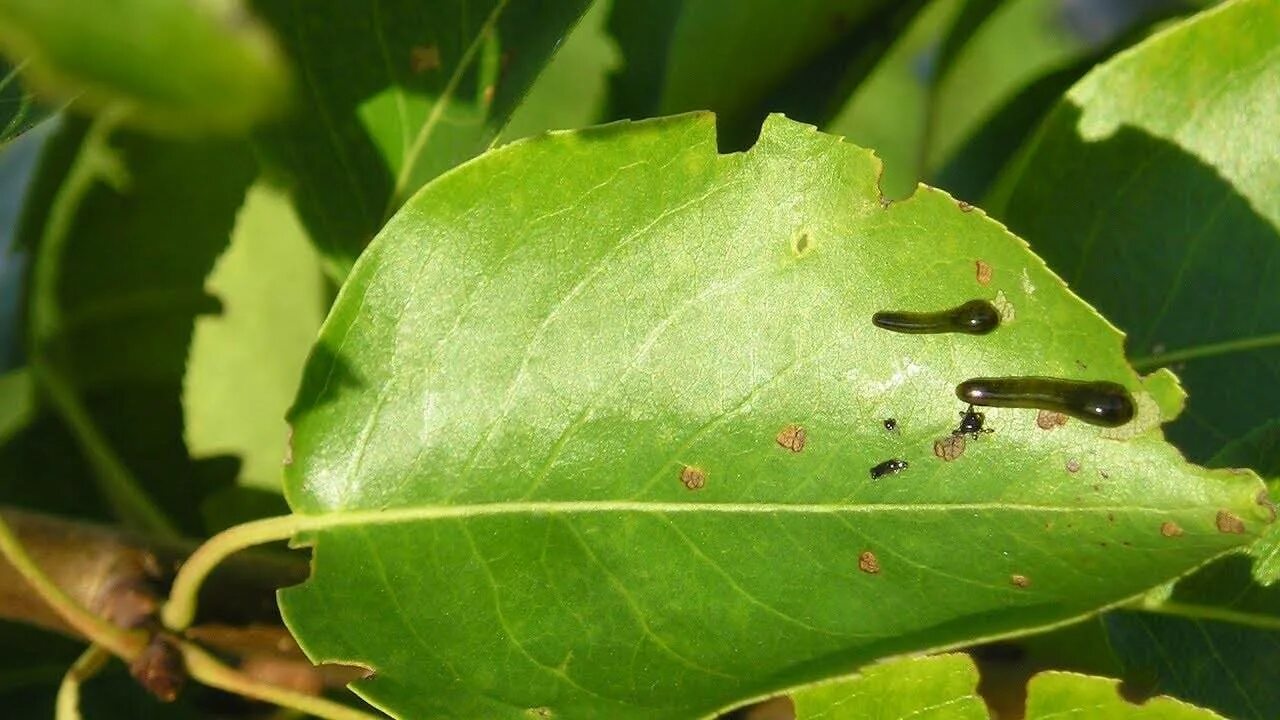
point(208, 670)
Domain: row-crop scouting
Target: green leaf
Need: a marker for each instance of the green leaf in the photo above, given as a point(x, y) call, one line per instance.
point(804, 57)
point(394, 94)
point(121, 245)
point(925, 688)
point(1259, 451)
point(1222, 649)
point(943, 686)
point(19, 109)
point(886, 113)
point(17, 404)
point(245, 363)
point(542, 432)
point(570, 92)
point(1154, 189)
point(171, 67)
point(1061, 694)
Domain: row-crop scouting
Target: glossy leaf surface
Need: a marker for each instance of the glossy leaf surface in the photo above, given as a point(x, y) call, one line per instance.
point(588, 432)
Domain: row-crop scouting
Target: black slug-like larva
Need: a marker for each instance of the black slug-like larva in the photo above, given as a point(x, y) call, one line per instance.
point(1098, 402)
point(976, 317)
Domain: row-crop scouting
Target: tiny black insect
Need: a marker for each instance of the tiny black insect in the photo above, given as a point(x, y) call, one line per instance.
point(971, 423)
point(888, 467)
point(891, 424)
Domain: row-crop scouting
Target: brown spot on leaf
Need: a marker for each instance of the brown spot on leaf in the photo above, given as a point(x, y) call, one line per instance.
point(1264, 499)
point(423, 58)
point(288, 447)
point(489, 92)
point(542, 713)
point(1020, 581)
point(949, 448)
point(868, 563)
point(792, 437)
point(693, 478)
point(1169, 528)
point(1229, 523)
point(964, 206)
point(1073, 465)
point(983, 273)
point(885, 202)
point(1111, 517)
point(1048, 419)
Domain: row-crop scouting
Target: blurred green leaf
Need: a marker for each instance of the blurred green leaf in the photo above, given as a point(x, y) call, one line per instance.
point(887, 112)
point(1217, 646)
point(394, 94)
point(1154, 188)
point(743, 60)
point(570, 91)
point(19, 109)
point(169, 67)
point(551, 423)
point(121, 244)
point(17, 404)
point(245, 362)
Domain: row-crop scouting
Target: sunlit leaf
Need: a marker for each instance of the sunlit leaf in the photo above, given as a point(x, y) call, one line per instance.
point(588, 433)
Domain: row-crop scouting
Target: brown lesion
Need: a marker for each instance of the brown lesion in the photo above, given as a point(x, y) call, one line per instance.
point(868, 562)
point(1229, 522)
point(793, 438)
point(693, 478)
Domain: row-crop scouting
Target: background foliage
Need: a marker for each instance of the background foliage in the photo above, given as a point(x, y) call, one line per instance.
point(186, 189)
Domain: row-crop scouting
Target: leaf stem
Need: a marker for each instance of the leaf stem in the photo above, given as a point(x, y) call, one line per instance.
point(120, 642)
point(86, 666)
point(1196, 352)
point(208, 670)
point(121, 490)
point(180, 609)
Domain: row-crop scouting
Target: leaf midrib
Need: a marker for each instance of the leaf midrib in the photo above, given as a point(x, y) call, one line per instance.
point(339, 517)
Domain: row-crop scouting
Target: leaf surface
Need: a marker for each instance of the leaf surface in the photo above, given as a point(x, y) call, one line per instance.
point(550, 437)
point(940, 687)
point(1154, 189)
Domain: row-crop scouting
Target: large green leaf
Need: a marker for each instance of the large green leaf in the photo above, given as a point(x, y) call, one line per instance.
point(1154, 188)
point(393, 94)
point(175, 67)
point(539, 445)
